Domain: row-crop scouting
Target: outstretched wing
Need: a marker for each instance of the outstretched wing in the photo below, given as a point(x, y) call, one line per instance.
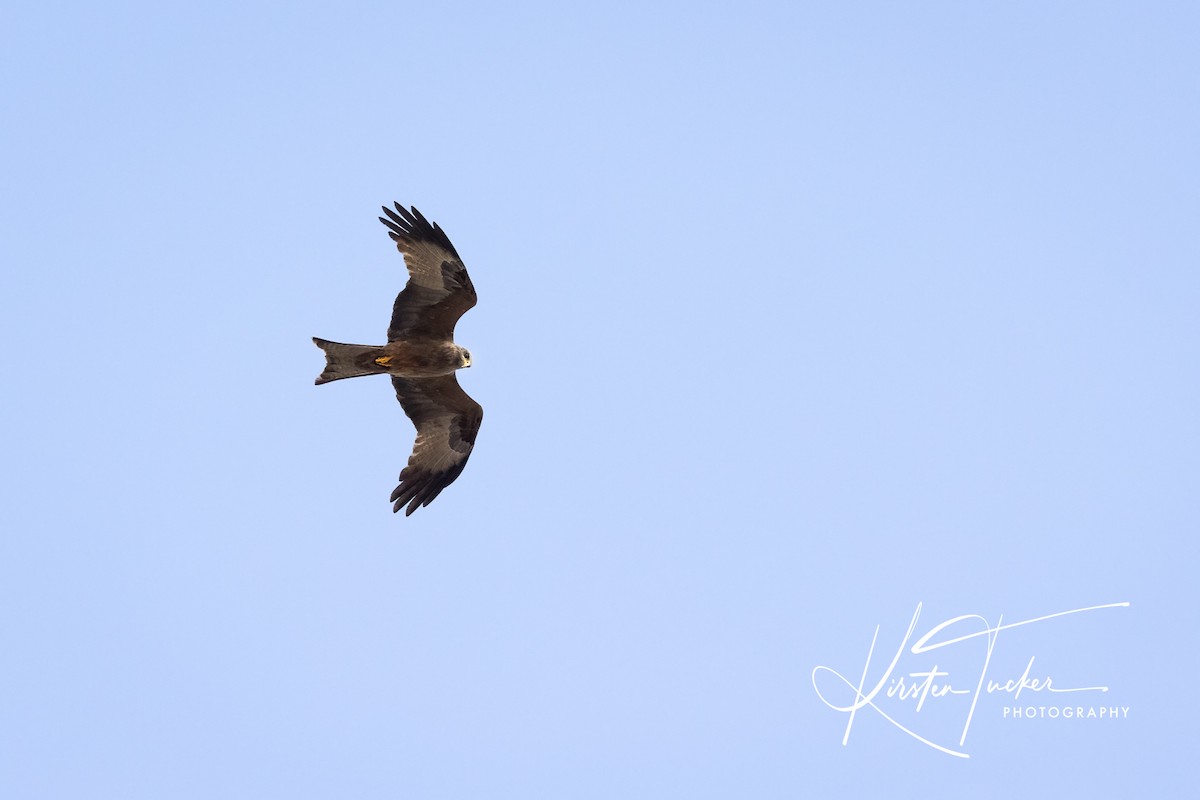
point(447, 420)
point(439, 291)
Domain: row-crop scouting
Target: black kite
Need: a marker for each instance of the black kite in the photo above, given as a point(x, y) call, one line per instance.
point(421, 357)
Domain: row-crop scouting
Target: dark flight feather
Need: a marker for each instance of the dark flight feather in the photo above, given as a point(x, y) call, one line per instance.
point(439, 291)
point(447, 421)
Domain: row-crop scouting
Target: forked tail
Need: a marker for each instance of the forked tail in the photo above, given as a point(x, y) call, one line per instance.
point(348, 360)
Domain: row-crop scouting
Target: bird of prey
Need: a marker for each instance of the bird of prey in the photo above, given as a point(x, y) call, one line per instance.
point(421, 357)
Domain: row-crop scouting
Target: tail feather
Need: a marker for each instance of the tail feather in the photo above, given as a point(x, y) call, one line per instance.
point(348, 360)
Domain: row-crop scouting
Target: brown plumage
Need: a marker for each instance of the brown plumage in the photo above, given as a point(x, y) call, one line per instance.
point(421, 357)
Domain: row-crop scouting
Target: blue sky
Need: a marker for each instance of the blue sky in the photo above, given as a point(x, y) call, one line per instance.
point(792, 317)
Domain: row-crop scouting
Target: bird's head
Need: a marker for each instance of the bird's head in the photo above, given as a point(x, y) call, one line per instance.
point(465, 355)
